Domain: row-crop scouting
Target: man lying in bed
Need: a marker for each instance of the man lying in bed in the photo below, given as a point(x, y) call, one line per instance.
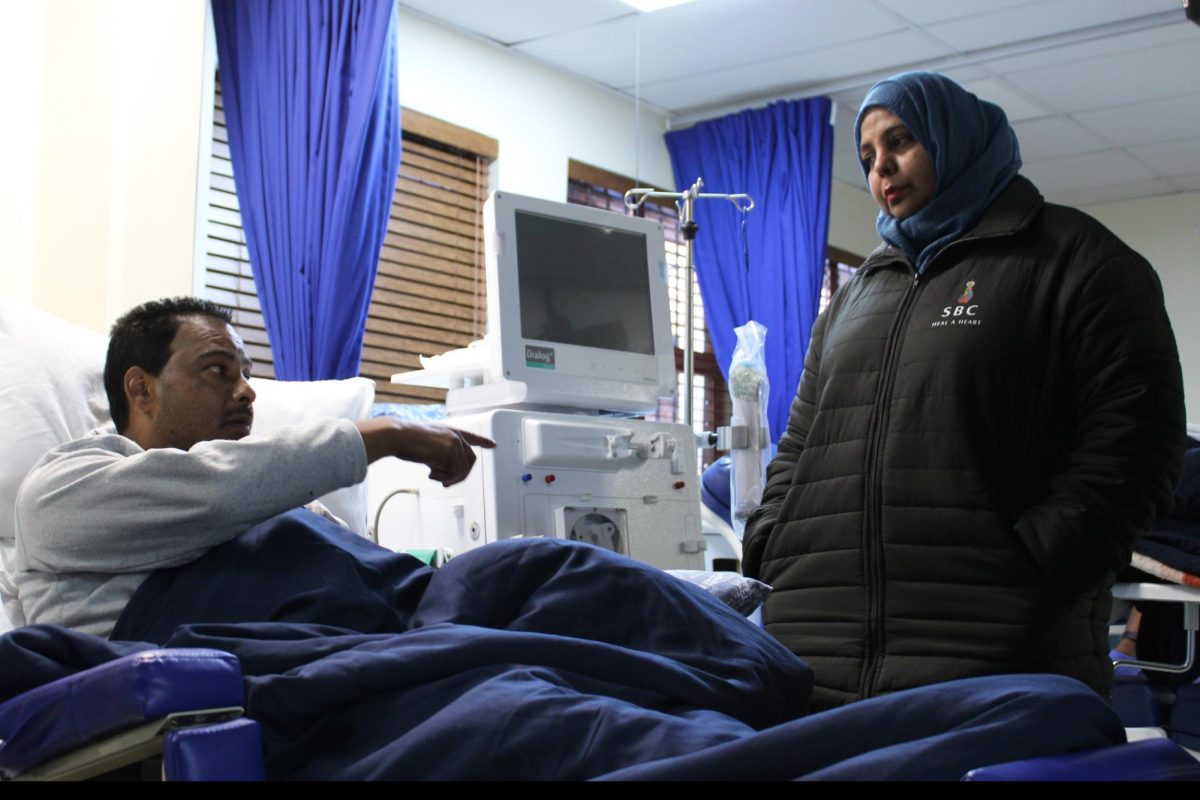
point(97, 515)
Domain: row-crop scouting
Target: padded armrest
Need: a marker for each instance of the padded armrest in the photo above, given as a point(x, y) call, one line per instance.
point(73, 711)
point(230, 751)
point(1148, 760)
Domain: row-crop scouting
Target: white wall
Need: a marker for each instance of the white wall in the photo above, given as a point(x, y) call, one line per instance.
point(852, 215)
point(104, 133)
point(540, 117)
point(1166, 230)
point(23, 62)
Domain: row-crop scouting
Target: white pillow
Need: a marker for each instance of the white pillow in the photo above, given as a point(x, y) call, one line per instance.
point(282, 403)
point(53, 391)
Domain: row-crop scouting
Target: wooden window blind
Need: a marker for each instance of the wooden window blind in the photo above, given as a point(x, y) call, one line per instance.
point(429, 290)
point(227, 276)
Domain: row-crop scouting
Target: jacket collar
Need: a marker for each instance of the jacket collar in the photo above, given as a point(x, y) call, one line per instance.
point(1012, 212)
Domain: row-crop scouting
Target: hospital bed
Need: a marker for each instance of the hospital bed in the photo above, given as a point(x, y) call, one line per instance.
point(55, 395)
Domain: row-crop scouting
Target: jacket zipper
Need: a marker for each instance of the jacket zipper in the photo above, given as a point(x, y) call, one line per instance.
point(873, 506)
point(872, 527)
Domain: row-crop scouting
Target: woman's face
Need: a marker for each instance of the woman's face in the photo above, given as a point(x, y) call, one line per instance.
point(899, 170)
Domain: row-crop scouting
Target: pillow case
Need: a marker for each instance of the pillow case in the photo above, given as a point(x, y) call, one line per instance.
point(281, 403)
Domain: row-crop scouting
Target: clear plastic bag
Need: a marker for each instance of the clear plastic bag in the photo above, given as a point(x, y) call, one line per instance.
point(749, 389)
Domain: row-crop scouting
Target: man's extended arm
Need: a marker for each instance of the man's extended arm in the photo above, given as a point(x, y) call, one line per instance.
point(446, 451)
point(107, 506)
point(104, 505)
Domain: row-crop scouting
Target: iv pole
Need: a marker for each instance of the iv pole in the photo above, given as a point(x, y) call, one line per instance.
point(685, 204)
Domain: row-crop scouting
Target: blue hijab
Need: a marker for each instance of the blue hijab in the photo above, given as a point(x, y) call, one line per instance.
point(974, 152)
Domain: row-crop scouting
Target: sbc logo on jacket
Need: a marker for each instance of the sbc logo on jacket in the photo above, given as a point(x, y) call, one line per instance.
point(963, 312)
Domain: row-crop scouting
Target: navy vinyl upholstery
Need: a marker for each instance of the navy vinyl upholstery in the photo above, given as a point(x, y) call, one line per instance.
point(1150, 759)
point(230, 751)
point(714, 488)
point(70, 712)
point(1184, 726)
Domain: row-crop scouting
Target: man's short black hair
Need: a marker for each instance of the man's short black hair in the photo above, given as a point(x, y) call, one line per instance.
point(142, 338)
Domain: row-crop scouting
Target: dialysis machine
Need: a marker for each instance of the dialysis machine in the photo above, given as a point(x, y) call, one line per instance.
point(578, 344)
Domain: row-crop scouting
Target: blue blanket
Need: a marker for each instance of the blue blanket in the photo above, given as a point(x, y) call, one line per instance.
point(537, 659)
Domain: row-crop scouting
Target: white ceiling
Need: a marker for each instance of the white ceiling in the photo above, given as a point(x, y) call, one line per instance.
point(1104, 94)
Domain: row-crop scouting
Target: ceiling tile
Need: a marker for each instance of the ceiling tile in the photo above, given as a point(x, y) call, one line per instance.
point(1111, 194)
point(1015, 105)
point(695, 39)
point(514, 21)
point(1096, 118)
point(1096, 48)
point(604, 53)
point(1105, 168)
point(1127, 77)
point(925, 12)
point(1046, 18)
point(790, 74)
point(1054, 137)
point(967, 74)
point(1169, 158)
point(1142, 123)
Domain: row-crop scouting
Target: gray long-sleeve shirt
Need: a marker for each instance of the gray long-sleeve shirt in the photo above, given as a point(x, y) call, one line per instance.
point(97, 515)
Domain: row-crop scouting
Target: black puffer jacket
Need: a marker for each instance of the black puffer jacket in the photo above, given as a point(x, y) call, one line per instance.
point(970, 457)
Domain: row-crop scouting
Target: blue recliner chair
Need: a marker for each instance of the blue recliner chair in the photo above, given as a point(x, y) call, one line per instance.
point(185, 704)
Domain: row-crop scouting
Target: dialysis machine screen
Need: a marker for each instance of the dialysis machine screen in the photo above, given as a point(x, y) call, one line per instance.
point(577, 308)
point(583, 284)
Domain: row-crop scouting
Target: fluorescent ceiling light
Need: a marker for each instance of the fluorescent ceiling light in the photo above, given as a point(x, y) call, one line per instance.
point(646, 6)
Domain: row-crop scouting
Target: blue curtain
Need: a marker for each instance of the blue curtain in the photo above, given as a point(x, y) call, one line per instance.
point(782, 156)
point(313, 115)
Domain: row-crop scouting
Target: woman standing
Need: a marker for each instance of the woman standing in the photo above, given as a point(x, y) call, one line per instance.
point(991, 412)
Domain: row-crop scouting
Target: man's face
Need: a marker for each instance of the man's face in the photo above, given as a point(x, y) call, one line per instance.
point(202, 393)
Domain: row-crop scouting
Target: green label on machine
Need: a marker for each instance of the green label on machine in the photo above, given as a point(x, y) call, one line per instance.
point(539, 357)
